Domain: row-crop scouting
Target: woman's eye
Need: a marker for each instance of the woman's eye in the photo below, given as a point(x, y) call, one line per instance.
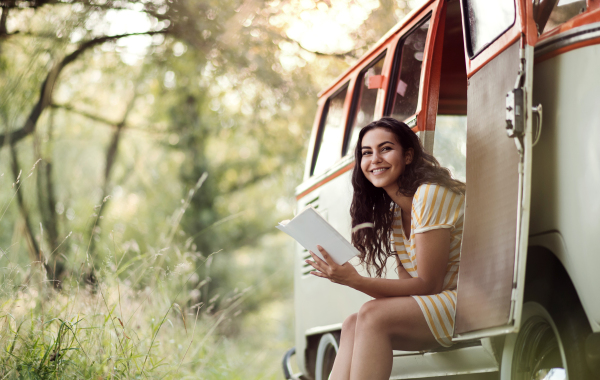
point(366, 153)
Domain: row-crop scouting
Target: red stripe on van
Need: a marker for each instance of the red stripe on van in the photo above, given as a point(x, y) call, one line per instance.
point(325, 180)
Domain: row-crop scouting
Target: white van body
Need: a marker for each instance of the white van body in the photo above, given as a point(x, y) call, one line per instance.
point(550, 270)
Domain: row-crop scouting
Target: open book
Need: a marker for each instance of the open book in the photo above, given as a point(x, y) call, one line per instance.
point(310, 229)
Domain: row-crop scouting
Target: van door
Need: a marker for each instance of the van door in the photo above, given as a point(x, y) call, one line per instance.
point(499, 61)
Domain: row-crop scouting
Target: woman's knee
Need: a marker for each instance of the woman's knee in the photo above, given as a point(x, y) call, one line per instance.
point(349, 324)
point(371, 314)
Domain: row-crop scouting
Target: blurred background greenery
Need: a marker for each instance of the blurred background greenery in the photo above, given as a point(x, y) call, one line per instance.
point(147, 149)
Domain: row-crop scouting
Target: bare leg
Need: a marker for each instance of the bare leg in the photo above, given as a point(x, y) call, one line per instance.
point(383, 325)
point(343, 359)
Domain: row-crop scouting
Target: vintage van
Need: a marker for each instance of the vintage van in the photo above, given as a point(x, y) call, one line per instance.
point(505, 93)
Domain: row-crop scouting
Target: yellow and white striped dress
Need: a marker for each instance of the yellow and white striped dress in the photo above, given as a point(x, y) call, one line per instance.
point(434, 207)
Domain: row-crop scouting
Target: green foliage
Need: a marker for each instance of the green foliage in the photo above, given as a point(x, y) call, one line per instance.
point(144, 321)
point(113, 330)
point(140, 182)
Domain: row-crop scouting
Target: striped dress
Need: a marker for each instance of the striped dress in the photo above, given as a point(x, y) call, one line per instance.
point(434, 207)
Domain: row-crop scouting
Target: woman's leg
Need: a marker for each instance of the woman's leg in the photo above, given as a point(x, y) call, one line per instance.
point(341, 366)
point(383, 325)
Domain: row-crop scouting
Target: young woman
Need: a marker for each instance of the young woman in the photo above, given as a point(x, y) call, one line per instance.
point(416, 209)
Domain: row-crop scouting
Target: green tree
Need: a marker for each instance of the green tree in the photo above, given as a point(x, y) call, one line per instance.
point(207, 93)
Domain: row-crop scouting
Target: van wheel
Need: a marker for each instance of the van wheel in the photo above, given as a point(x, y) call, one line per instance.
point(326, 352)
point(540, 350)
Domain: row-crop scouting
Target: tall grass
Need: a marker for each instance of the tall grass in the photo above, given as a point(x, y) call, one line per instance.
point(130, 316)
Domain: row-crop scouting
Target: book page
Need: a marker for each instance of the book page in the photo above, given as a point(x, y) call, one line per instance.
point(310, 229)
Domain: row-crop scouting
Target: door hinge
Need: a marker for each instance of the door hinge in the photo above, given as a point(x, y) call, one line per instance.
point(514, 296)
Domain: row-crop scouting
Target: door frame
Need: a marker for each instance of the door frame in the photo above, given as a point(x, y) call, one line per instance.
point(525, 31)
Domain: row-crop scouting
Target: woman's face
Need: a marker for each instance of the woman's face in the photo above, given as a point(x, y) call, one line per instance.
point(383, 159)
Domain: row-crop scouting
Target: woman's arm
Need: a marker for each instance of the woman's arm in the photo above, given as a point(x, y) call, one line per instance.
point(432, 250)
point(402, 273)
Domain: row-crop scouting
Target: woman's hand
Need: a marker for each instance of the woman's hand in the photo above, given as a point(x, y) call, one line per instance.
point(340, 274)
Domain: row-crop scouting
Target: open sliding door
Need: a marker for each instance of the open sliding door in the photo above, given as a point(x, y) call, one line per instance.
point(499, 60)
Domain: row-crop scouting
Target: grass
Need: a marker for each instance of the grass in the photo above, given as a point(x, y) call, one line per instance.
point(136, 319)
point(113, 329)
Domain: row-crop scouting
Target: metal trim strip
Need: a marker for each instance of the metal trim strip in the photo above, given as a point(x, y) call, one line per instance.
point(323, 329)
point(314, 182)
point(573, 36)
point(462, 361)
point(485, 333)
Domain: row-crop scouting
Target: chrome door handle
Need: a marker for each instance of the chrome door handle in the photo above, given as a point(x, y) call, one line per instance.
point(539, 111)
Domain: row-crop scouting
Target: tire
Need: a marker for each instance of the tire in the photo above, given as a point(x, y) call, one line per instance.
point(546, 346)
point(326, 352)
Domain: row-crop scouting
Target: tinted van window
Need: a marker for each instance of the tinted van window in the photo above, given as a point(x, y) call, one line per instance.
point(329, 140)
point(563, 11)
point(486, 20)
point(369, 97)
point(407, 73)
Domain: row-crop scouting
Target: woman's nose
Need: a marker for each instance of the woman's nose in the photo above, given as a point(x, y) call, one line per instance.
point(376, 157)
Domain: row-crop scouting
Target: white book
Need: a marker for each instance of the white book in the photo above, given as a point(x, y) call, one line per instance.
point(310, 229)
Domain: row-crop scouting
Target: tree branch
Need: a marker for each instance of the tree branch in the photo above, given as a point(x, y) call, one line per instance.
point(3, 19)
point(47, 207)
point(255, 179)
point(28, 34)
point(3, 30)
point(49, 83)
point(107, 122)
point(70, 108)
point(348, 54)
point(35, 250)
point(114, 144)
point(111, 155)
point(111, 6)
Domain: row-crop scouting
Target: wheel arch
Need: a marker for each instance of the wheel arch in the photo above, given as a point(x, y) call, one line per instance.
point(310, 354)
point(546, 279)
point(549, 285)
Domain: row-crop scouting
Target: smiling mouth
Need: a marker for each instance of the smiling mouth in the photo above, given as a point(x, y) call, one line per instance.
point(379, 170)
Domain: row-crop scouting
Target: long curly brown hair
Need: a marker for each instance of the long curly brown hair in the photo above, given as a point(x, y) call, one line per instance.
point(374, 205)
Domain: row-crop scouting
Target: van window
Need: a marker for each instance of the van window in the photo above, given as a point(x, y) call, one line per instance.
point(407, 73)
point(450, 144)
point(562, 11)
point(368, 98)
point(329, 140)
point(485, 21)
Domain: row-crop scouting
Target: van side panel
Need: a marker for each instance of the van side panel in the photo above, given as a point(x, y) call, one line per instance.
point(565, 193)
point(319, 302)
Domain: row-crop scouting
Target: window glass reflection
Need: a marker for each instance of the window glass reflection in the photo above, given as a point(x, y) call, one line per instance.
point(369, 98)
point(562, 11)
point(406, 85)
point(329, 141)
point(450, 144)
point(487, 20)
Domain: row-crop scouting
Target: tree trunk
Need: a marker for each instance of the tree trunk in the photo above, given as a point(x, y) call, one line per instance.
point(35, 251)
point(47, 208)
point(111, 156)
